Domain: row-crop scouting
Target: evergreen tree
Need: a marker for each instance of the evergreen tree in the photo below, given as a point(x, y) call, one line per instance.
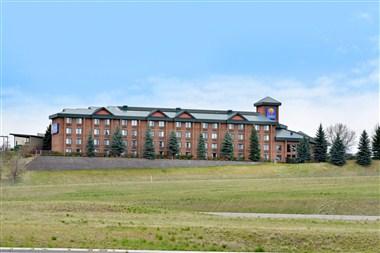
point(254, 146)
point(376, 144)
point(46, 145)
point(117, 144)
point(303, 151)
point(364, 153)
point(338, 152)
point(320, 147)
point(90, 147)
point(149, 152)
point(201, 151)
point(173, 146)
point(227, 150)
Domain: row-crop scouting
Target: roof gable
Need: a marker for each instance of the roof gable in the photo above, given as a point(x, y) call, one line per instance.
point(184, 115)
point(102, 111)
point(237, 116)
point(267, 101)
point(158, 114)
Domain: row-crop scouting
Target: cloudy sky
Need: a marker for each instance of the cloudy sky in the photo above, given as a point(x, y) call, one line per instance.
point(320, 59)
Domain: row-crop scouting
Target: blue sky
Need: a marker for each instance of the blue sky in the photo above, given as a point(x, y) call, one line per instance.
point(224, 55)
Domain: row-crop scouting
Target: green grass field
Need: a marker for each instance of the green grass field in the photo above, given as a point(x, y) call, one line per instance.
point(160, 208)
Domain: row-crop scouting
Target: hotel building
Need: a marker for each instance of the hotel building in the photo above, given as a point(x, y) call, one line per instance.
point(72, 127)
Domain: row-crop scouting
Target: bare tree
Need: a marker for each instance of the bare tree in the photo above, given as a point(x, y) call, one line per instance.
point(347, 135)
point(16, 167)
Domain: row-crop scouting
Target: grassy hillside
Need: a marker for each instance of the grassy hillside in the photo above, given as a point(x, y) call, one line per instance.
point(159, 208)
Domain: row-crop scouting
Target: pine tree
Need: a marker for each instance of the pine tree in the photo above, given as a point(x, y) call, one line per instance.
point(46, 145)
point(303, 151)
point(364, 153)
point(338, 152)
point(201, 151)
point(149, 152)
point(90, 147)
point(117, 145)
point(320, 147)
point(227, 150)
point(254, 146)
point(376, 144)
point(173, 146)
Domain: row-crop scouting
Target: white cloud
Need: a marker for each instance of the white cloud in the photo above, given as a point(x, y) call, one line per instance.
point(351, 98)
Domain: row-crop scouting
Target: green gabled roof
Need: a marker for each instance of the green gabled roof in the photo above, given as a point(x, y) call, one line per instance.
point(129, 112)
point(267, 101)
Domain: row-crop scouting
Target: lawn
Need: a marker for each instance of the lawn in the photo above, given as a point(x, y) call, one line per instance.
point(160, 208)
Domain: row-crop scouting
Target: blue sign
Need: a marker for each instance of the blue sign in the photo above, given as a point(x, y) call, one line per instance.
point(271, 113)
point(54, 128)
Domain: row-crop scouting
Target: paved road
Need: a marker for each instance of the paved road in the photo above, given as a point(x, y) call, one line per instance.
point(297, 216)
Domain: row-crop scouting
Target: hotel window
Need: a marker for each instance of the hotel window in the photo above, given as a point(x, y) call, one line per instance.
point(178, 124)
point(231, 126)
point(106, 142)
point(188, 134)
point(240, 146)
point(278, 157)
point(78, 131)
point(126, 144)
point(266, 157)
point(106, 132)
point(68, 120)
point(214, 146)
point(278, 148)
point(188, 124)
point(124, 132)
point(96, 131)
point(68, 150)
point(124, 122)
point(188, 144)
point(68, 141)
point(68, 130)
point(266, 147)
point(241, 137)
point(161, 123)
point(241, 127)
point(266, 137)
point(134, 133)
point(162, 144)
point(178, 134)
point(96, 142)
point(266, 128)
point(179, 144)
point(96, 121)
point(204, 125)
point(161, 134)
point(134, 122)
point(206, 146)
point(134, 144)
point(152, 133)
point(292, 147)
point(257, 127)
point(215, 125)
point(214, 136)
point(107, 122)
point(151, 123)
point(232, 136)
point(205, 136)
point(79, 141)
point(79, 121)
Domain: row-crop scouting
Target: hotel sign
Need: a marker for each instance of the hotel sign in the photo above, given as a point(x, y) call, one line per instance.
point(271, 113)
point(55, 128)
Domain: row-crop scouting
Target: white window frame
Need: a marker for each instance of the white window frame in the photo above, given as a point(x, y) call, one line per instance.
point(78, 131)
point(204, 125)
point(151, 123)
point(231, 126)
point(178, 124)
point(215, 126)
point(214, 136)
point(161, 123)
point(79, 141)
point(68, 141)
point(68, 130)
point(188, 135)
point(96, 122)
point(69, 120)
point(124, 132)
point(161, 134)
point(188, 124)
point(107, 122)
point(134, 122)
point(79, 121)
point(178, 134)
point(96, 131)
